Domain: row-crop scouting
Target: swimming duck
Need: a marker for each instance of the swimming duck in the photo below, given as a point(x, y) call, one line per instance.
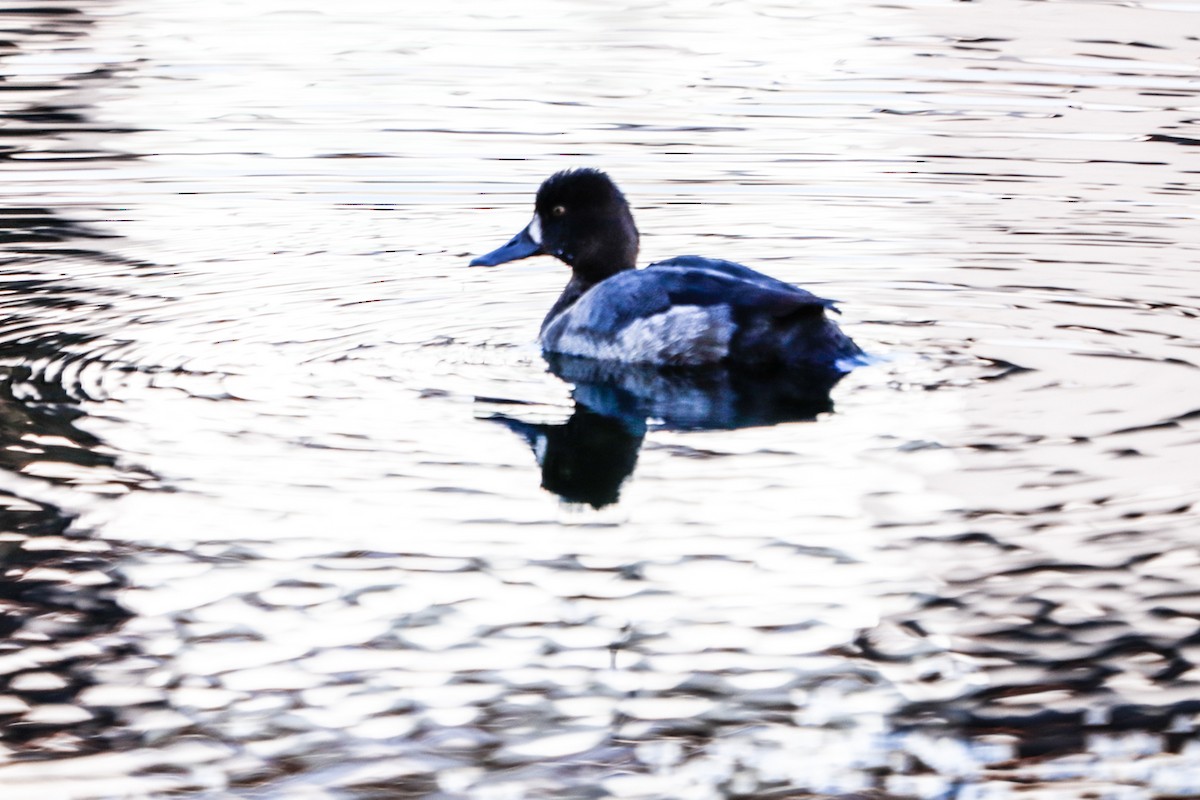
point(686, 311)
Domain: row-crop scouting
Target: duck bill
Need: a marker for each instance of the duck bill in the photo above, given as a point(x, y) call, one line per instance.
point(523, 245)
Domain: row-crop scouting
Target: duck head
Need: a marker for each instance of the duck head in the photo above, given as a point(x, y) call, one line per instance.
point(581, 218)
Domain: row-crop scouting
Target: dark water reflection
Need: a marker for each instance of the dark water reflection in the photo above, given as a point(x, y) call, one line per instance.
point(58, 607)
point(588, 457)
point(59, 614)
point(256, 541)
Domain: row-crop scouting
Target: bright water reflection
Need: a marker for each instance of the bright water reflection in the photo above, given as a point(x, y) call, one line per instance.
point(263, 537)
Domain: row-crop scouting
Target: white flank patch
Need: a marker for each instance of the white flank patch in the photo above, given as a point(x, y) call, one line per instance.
point(535, 229)
point(680, 335)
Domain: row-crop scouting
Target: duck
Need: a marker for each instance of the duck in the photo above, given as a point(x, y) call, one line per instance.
point(687, 311)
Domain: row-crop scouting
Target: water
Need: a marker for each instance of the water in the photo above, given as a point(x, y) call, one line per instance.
point(273, 525)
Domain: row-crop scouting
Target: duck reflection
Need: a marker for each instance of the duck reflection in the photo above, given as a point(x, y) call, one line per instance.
point(587, 458)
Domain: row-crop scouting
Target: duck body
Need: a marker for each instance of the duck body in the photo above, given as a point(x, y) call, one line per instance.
point(688, 311)
point(693, 311)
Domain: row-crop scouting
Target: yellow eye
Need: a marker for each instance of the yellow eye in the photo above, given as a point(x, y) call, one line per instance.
point(558, 211)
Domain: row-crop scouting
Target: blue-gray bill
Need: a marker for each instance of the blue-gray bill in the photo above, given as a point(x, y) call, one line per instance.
point(520, 246)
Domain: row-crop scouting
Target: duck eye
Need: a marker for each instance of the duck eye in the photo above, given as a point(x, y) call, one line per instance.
point(558, 211)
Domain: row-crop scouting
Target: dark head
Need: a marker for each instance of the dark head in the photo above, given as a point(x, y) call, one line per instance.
point(581, 218)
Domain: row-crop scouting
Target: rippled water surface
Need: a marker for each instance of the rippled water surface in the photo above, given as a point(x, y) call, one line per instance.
point(291, 506)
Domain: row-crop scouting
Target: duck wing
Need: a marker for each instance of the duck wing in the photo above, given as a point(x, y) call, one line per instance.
point(688, 281)
point(777, 292)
